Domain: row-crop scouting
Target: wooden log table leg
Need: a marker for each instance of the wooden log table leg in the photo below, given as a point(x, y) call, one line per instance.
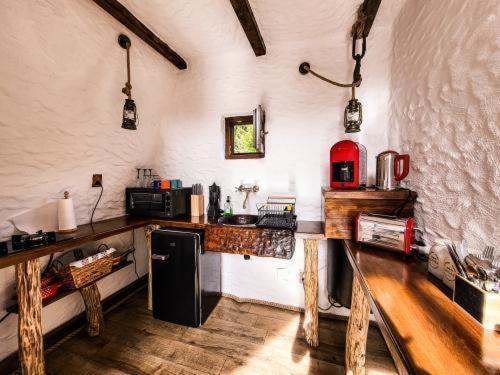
point(92, 299)
point(147, 231)
point(30, 334)
point(357, 331)
point(311, 292)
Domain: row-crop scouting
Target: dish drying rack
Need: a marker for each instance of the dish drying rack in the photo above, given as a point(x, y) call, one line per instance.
point(278, 213)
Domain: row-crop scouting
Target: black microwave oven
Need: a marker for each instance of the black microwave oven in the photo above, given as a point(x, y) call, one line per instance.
point(159, 203)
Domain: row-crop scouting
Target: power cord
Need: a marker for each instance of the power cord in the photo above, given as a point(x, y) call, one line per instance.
point(5, 317)
point(133, 253)
point(409, 199)
point(98, 200)
point(333, 303)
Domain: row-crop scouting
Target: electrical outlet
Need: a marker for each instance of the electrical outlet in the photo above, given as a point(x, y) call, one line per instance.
point(96, 180)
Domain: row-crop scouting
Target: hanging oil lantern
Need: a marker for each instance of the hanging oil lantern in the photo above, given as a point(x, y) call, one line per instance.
point(129, 118)
point(353, 115)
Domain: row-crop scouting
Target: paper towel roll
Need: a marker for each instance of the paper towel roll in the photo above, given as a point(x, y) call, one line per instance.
point(66, 214)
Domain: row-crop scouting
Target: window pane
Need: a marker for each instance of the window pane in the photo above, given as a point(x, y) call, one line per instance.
point(243, 139)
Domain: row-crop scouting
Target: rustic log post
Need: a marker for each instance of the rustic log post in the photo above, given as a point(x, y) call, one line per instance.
point(357, 331)
point(147, 231)
point(311, 292)
point(92, 299)
point(30, 334)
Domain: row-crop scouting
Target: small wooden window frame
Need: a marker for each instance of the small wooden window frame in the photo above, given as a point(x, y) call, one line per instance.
point(230, 123)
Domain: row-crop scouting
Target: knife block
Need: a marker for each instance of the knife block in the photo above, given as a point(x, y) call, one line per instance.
point(197, 205)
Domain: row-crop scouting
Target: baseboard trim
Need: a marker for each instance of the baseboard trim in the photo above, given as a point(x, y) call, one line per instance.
point(282, 306)
point(68, 329)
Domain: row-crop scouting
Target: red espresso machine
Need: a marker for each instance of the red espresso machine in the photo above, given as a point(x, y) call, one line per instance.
point(348, 165)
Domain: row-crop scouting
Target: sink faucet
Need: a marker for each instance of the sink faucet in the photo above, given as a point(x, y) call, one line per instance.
point(247, 190)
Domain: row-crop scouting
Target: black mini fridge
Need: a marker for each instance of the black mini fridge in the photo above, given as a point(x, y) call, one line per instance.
point(186, 283)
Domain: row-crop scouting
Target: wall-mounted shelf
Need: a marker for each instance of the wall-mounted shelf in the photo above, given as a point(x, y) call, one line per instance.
point(67, 292)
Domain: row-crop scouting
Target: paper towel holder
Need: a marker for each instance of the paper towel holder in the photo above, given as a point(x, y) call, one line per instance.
point(66, 215)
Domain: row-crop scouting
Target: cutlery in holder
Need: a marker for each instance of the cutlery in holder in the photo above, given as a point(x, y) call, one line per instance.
point(481, 305)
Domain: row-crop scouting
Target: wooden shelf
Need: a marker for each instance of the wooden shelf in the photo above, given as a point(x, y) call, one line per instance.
point(85, 233)
point(67, 292)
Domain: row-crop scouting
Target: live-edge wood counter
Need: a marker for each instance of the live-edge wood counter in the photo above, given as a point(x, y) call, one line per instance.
point(425, 331)
point(110, 227)
point(27, 267)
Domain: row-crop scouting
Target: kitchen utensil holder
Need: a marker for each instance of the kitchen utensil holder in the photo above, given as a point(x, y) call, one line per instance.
point(481, 305)
point(197, 205)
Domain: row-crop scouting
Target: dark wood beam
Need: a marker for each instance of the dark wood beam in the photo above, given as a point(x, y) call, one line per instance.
point(127, 19)
point(366, 15)
point(247, 20)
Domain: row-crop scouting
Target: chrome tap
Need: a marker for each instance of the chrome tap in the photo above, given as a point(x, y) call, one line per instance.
point(247, 190)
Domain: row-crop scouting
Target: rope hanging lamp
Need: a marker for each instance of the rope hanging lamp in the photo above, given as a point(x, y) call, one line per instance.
point(353, 115)
point(130, 117)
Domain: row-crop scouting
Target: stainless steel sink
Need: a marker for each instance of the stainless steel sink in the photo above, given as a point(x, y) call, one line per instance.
point(239, 220)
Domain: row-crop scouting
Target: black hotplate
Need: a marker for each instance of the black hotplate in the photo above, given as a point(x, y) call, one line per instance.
point(21, 242)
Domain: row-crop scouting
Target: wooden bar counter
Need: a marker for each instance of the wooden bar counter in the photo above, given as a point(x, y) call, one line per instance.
point(425, 331)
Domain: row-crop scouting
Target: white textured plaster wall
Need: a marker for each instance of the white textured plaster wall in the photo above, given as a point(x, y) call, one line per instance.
point(445, 113)
point(304, 119)
point(60, 100)
point(61, 75)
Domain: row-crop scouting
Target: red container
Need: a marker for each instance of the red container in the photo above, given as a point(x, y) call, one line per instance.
point(347, 165)
point(50, 291)
point(45, 281)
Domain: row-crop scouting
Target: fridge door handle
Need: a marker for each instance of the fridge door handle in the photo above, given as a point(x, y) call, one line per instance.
point(163, 258)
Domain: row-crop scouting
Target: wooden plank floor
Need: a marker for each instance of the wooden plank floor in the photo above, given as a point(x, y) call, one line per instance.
point(238, 338)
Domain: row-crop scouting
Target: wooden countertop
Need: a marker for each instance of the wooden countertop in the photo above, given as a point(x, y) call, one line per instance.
point(310, 230)
point(426, 332)
point(110, 227)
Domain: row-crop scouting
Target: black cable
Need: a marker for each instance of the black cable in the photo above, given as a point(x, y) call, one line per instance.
point(98, 200)
point(422, 256)
point(410, 199)
point(106, 247)
point(322, 309)
point(49, 264)
point(133, 253)
point(5, 317)
point(333, 303)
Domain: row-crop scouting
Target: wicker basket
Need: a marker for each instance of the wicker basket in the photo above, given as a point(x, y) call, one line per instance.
point(74, 277)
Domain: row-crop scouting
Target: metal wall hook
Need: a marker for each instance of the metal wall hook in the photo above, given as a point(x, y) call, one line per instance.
point(124, 41)
point(305, 68)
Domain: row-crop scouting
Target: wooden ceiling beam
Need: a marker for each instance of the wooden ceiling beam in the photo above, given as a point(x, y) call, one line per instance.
point(245, 15)
point(127, 19)
point(366, 15)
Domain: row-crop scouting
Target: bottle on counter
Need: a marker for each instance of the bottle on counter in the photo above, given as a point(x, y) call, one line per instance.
point(228, 207)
